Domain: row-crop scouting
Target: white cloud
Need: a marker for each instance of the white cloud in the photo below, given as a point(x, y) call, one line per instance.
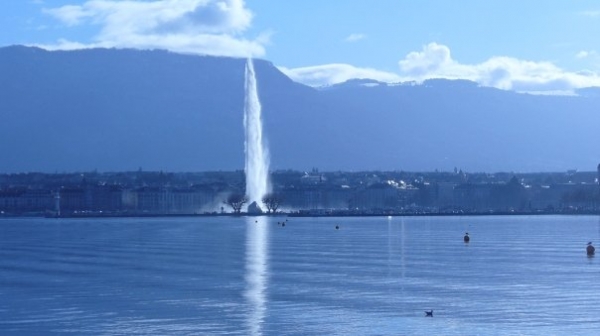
point(582, 54)
point(435, 61)
point(192, 26)
point(591, 13)
point(433, 57)
point(355, 37)
point(64, 44)
point(329, 74)
point(589, 57)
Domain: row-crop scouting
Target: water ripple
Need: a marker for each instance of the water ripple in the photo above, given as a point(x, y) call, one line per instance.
point(236, 276)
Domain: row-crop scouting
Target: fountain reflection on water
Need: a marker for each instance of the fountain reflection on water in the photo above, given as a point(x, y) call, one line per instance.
point(257, 272)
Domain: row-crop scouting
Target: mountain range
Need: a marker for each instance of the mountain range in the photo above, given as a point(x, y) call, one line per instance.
point(122, 109)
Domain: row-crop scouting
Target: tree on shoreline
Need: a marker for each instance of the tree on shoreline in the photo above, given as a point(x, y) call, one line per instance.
point(236, 202)
point(272, 201)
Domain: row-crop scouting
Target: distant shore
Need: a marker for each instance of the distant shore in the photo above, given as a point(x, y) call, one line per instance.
point(303, 214)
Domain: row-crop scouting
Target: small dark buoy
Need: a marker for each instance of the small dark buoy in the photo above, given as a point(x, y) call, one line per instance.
point(429, 313)
point(255, 221)
point(337, 227)
point(590, 249)
point(282, 224)
point(466, 238)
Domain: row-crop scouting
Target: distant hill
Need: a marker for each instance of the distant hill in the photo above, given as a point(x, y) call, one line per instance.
point(111, 110)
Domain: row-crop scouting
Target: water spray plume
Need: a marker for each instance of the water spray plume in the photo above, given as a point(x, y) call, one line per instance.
point(257, 154)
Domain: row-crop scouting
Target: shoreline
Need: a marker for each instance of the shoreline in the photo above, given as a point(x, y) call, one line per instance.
point(307, 214)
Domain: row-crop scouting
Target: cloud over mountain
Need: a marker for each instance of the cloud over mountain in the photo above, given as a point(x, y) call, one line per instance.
point(220, 27)
point(328, 74)
point(435, 61)
point(509, 73)
point(191, 26)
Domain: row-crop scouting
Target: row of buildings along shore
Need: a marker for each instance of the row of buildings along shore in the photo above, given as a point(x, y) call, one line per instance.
point(311, 193)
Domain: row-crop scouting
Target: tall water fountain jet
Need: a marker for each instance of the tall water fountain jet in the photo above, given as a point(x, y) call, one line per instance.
point(257, 154)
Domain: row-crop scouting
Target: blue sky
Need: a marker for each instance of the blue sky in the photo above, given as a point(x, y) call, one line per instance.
point(536, 46)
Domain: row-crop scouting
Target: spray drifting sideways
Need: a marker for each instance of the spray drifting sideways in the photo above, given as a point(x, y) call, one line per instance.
point(257, 154)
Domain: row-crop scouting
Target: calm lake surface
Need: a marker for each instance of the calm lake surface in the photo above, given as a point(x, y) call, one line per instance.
point(524, 275)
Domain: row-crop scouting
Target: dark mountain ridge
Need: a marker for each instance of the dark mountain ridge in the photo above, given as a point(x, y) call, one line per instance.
point(111, 109)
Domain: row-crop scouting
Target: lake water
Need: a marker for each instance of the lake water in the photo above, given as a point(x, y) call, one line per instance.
point(253, 276)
